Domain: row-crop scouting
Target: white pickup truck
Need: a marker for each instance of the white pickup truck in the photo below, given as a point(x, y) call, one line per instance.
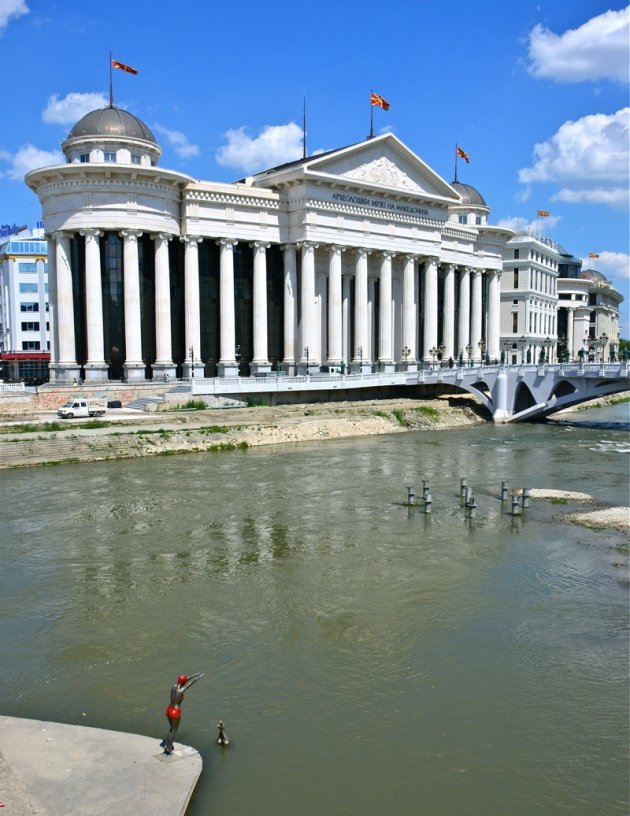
point(80, 408)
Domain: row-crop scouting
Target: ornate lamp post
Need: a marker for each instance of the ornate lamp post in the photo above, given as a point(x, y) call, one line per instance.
point(522, 343)
point(441, 350)
point(482, 349)
point(192, 363)
point(469, 351)
point(406, 351)
point(547, 344)
point(306, 355)
point(360, 353)
point(433, 352)
point(603, 339)
point(237, 357)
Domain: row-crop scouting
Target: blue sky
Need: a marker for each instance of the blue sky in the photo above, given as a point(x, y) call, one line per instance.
point(535, 92)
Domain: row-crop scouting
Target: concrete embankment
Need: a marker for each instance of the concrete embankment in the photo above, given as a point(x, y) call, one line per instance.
point(51, 769)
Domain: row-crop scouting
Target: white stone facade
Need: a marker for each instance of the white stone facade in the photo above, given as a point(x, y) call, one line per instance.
point(350, 259)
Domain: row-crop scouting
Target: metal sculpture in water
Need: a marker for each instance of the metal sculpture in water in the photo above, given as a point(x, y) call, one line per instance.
point(174, 710)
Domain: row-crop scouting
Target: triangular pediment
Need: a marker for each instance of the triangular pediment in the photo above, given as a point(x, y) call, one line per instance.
point(383, 162)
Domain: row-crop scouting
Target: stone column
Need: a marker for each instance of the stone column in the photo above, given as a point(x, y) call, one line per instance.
point(227, 366)
point(362, 361)
point(463, 325)
point(409, 314)
point(335, 320)
point(290, 311)
point(133, 366)
point(193, 365)
point(448, 313)
point(309, 323)
point(260, 361)
point(163, 366)
point(52, 308)
point(476, 314)
point(385, 351)
point(581, 320)
point(66, 366)
point(345, 321)
point(95, 367)
point(430, 307)
point(493, 340)
point(570, 335)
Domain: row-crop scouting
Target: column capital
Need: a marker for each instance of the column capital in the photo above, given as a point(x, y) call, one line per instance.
point(259, 246)
point(431, 259)
point(476, 271)
point(448, 267)
point(130, 234)
point(191, 240)
point(307, 245)
point(337, 249)
point(410, 257)
point(59, 234)
point(162, 236)
point(226, 242)
point(386, 254)
point(288, 247)
point(92, 232)
point(361, 252)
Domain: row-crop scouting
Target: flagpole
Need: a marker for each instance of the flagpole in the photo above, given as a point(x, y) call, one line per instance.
point(455, 181)
point(371, 136)
point(304, 131)
point(111, 89)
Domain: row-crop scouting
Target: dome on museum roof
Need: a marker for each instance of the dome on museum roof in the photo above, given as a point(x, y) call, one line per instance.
point(469, 195)
point(111, 121)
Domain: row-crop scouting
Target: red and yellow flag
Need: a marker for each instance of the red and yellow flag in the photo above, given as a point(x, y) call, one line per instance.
point(375, 99)
point(122, 67)
point(543, 213)
point(463, 155)
point(593, 255)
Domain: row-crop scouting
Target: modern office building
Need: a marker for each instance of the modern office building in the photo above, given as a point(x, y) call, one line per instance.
point(24, 315)
point(361, 258)
point(529, 298)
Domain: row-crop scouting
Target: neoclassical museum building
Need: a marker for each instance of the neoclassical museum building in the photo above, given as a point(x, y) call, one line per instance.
point(358, 259)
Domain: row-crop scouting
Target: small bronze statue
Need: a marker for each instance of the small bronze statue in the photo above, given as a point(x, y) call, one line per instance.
point(174, 710)
point(222, 740)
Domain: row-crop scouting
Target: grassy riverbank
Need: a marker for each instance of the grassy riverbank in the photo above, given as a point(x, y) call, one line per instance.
point(43, 440)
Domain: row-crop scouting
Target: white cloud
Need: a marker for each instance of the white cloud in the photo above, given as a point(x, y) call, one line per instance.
point(11, 9)
point(72, 107)
point(599, 49)
point(179, 142)
point(588, 158)
point(276, 144)
point(610, 264)
point(29, 158)
point(536, 225)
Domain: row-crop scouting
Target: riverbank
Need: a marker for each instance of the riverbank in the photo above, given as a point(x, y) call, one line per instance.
point(45, 440)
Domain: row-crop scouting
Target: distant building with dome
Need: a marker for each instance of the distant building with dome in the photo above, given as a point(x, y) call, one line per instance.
point(359, 259)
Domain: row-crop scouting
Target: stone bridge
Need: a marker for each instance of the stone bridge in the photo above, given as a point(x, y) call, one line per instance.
point(510, 393)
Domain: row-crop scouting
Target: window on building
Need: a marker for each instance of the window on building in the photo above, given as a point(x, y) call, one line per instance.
point(30, 345)
point(109, 156)
point(478, 220)
point(30, 325)
point(84, 158)
point(517, 253)
point(515, 302)
point(514, 322)
point(135, 158)
point(516, 278)
point(27, 267)
point(463, 219)
point(29, 306)
point(28, 288)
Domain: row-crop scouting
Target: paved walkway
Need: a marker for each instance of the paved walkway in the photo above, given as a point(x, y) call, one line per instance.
point(50, 769)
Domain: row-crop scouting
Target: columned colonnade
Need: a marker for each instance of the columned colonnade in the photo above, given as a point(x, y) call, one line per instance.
point(357, 328)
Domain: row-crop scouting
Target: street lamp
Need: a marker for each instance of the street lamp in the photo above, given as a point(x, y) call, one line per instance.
point(522, 343)
point(441, 350)
point(603, 339)
point(547, 344)
point(405, 353)
point(306, 355)
point(237, 356)
point(469, 351)
point(360, 353)
point(433, 352)
point(192, 363)
point(506, 352)
point(482, 349)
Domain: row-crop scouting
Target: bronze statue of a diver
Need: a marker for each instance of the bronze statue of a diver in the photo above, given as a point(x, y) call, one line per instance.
point(174, 710)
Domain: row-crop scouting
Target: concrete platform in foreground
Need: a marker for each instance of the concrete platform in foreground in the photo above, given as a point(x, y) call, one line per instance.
point(52, 769)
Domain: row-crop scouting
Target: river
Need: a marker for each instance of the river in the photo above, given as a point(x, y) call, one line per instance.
point(365, 658)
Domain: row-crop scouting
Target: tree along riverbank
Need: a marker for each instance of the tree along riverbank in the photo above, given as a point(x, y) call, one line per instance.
point(46, 440)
